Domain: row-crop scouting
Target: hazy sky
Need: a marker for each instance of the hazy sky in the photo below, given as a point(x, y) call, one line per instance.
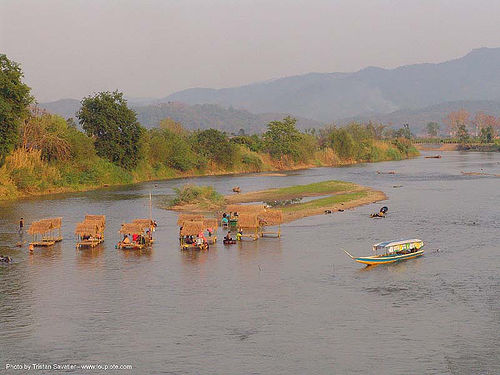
point(151, 48)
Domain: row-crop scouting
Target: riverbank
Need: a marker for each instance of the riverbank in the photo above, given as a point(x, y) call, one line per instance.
point(25, 174)
point(333, 196)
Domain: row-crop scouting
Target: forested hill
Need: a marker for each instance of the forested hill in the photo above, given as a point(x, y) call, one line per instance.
point(331, 96)
point(198, 116)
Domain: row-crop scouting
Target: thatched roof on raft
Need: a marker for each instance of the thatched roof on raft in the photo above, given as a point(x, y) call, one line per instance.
point(100, 219)
point(145, 223)
point(188, 217)
point(210, 223)
point(45, 225)
point(88, 228)
point(192, 228)
point(131, 228)
point(39, 227)
point(245, 208)
point(248, 220)
point(271, 217)
point(53, 222)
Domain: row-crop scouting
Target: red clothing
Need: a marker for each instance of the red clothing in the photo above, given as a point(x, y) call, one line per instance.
point(135, 237)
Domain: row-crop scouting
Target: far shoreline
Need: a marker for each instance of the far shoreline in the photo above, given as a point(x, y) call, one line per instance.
point(275, 172)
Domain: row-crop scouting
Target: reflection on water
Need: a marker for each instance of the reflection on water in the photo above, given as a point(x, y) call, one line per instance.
point(292, 305)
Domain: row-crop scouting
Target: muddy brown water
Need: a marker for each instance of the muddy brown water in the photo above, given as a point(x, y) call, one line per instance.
point(295, 305)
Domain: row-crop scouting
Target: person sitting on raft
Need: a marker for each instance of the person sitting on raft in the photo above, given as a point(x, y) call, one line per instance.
point(126, 239)
point(228, 237)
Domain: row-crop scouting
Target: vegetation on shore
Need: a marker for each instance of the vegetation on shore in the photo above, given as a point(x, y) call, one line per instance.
point(43, 153)
point(204, 197)
point(333, 195)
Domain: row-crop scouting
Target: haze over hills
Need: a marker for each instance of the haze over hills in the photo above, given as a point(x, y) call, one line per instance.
point(414, 94)
point(419, 118)
point(329, 96)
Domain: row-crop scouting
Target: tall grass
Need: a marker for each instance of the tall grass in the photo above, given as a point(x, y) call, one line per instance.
point(203, 196)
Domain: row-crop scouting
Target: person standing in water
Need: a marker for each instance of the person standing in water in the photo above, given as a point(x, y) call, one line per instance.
point(21, 226)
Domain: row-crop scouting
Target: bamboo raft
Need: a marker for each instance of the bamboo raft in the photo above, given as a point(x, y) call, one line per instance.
point(270, 218)
point(248, 226)
point(192, 228)
point(265, 217)
point(90, 232)
point(137, 227)
point(45, 232)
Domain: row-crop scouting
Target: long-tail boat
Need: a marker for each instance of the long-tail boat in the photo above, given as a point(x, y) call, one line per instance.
point(392, 251)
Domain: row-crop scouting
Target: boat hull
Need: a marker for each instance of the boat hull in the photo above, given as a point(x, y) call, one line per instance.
point(389, 258)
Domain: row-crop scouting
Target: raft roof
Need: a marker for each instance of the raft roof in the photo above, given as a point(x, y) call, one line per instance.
point(87, 228)
point(192, 228)
point(245, 208)
point(188, 217)
point(53, 222)
point(98, 218)
point(145, 223)
point(210, 222)
point(131, 228)
point(248, 220)
point(39, 227)
point(45, 225)
point(271, 217)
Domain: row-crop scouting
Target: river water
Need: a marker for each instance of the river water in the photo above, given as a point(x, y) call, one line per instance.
point(295, 305)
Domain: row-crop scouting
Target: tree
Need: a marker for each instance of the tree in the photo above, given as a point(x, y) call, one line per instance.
point(462, 134)
point(343, 143)
point(482, 120)
point(281, 138)
point(47, 133)
point(404, 132)
point(432, 129)
point(173, 126)
point(456, 119)
point(14, 101)
point(487, 134)
point(215, 145)
point(114, 127)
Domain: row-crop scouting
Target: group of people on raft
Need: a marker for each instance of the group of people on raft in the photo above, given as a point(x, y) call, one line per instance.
point(226, 217)
point(199, 241)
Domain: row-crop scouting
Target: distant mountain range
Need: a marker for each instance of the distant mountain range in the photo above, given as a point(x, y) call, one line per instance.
point(198, 116)
point(329, 96)
point(414, 94)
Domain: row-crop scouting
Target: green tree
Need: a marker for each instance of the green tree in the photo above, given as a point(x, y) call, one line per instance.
point(215, 145)
point(487, 134)
point(281, 138)
point(14, 101)
point(114, 127)
point(170, 149)
point(432, 129)
point(404, 132)
point(342, 143)
point(462, 133)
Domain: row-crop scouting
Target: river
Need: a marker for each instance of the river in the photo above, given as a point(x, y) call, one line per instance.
point(294, 305)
